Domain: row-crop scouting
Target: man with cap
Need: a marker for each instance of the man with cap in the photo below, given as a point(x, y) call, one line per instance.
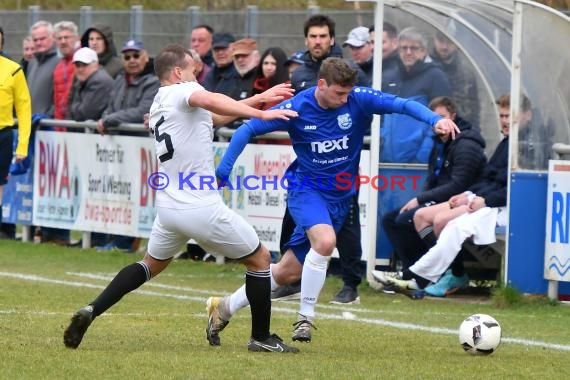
point(246, 58)
point(92, 84)
point(361, 49)
point(133, 90)
point(223, 63)
point(132, 95)
point(294, 61)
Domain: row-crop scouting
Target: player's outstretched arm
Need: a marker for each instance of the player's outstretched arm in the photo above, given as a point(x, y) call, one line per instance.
point(276, 93)
point(220, 104)
point(239, 140)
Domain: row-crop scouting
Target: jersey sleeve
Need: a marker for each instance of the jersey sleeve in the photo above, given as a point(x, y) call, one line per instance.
point(241, 138)
point(379, 102)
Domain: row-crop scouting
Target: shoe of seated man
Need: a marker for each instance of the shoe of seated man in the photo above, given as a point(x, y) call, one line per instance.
point(394, 281)
point(287, 293)
point(382, 277)
point(346, 296)
point(218, 318)
point(302, 331)
point(447, 284)
point(80, 322)
point(272, 344)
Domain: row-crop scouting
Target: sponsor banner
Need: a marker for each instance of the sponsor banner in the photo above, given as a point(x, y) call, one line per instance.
point(18, 199)
point(557, 244)
point(93, 183)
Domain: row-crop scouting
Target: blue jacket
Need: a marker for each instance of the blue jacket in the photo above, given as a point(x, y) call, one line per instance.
point(404, 139)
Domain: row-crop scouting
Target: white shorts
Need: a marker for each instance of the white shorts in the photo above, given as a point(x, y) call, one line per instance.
point(216, 228)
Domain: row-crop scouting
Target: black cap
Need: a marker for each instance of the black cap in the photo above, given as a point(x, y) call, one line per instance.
point(222, 40)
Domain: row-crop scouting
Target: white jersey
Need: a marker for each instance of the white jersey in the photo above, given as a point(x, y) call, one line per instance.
point(183, 141)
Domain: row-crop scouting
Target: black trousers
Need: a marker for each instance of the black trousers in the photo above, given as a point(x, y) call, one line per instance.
point(408, 247)
point(347, 243)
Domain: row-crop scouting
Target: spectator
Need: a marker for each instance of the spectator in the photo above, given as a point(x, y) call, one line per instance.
point(15, 97)
point(201, 40)
point(67, 41)
point(223, 67)
point(361, 49)
point(99, 37)
point(390, 56)
point(40, 70)
point(319, 31)
point(200, 69)
point(453, 167)
point(293, 62)
point(132, 95)
point(133, 89)
point(461, 78)
point(245, 55)
point(92, 84)
point(418, 80)
point(270, 71)
point(27, 53)
point(535, 139)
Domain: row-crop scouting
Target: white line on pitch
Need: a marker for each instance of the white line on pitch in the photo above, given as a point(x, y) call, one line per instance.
point(381, 322)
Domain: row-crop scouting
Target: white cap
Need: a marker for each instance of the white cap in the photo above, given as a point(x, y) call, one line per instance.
point(358, 37)
point(85, 55)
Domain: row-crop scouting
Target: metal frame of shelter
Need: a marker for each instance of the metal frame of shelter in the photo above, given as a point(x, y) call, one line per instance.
point(513, 46)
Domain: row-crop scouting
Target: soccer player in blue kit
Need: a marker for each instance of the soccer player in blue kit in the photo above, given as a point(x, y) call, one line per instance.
point(327, 138)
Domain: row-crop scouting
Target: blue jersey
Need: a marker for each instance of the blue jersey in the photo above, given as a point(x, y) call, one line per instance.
point(327, 142)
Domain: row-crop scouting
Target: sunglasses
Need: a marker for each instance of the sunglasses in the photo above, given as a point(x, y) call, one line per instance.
point(128, 57)
point(79, 64)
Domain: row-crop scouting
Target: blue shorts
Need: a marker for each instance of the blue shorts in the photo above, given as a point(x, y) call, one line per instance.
point(308, 208)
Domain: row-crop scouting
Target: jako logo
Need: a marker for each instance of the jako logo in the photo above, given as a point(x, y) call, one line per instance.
point(311, 127)
point(329, 145)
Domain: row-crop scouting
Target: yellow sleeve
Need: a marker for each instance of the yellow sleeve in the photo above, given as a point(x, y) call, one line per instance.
point(23, 106)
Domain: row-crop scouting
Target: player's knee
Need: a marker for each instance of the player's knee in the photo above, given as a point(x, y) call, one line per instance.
point(419, 218)
point(259, 260)
point(325, 245)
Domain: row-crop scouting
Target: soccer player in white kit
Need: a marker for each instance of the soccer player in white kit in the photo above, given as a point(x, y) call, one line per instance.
point(181, 119)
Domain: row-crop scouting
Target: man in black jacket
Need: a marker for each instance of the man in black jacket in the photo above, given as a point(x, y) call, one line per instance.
point(453, 167)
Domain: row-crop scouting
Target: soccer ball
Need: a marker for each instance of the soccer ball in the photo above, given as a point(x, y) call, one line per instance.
point(480, 334)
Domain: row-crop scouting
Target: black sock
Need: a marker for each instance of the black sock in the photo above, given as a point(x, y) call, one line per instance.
point(128, 279)
point(258, 291)
point(457, 268)
point(428, 237)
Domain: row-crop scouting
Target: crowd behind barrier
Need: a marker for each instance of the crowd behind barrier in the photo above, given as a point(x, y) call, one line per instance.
point(445, 46)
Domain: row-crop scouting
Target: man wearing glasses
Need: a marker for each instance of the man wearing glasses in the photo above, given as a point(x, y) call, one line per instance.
point(133, 90)
point(417, 78)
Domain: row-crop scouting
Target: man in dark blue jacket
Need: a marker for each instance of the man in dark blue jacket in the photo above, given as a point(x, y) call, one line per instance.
point(453, 167)
point(420, 79)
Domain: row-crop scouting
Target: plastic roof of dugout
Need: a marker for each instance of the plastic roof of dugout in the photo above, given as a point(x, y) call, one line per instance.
point(484, 32)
